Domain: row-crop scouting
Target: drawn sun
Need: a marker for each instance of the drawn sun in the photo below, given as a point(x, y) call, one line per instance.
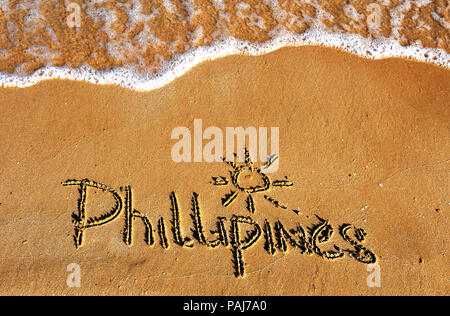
point(248, 179)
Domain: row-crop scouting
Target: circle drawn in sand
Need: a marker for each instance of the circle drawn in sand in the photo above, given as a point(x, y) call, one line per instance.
point(249, 179)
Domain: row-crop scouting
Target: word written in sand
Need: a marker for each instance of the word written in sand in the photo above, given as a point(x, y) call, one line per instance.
point(239, 233)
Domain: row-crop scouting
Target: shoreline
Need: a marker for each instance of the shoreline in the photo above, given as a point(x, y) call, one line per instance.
point(145, 45)
point(138, 82)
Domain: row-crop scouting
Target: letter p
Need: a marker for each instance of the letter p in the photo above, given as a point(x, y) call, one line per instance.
point(80, 221)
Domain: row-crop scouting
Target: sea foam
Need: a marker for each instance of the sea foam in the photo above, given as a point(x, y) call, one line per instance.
point(135, 76)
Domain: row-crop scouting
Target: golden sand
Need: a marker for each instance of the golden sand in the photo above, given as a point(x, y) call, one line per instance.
point(363, 143)
point(29, 42)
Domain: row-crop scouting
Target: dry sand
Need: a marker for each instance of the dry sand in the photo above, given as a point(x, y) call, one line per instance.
point(364, 143)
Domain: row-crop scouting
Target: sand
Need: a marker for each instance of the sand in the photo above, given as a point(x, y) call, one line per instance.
point(139, 40)
point(362, 142)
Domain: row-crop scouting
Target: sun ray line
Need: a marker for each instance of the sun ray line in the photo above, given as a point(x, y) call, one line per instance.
point(276, 203)
point(231, 164)
point(220, 181)
point(248, 159)
point(282, 183)
point(250, 204)
point(229, 198)
point(270, 161)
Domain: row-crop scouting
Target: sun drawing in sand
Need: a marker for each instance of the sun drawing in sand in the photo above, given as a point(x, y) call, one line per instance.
point(249, 180)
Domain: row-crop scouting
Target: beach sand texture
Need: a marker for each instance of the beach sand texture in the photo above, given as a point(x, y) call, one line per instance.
point(362, 142)
point(144, 45)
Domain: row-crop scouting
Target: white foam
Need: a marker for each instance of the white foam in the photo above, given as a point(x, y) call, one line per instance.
point(130, 77)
